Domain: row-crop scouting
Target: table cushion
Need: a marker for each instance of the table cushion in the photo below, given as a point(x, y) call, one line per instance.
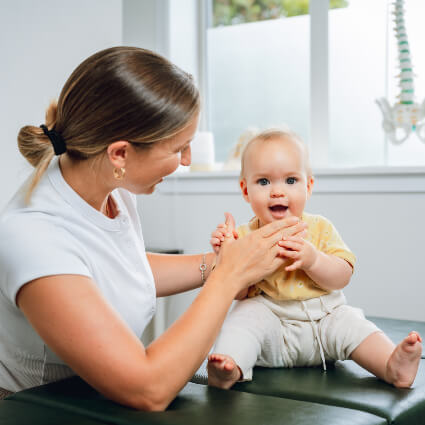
point(345, 383)
point(15, 412)
point(195, 404)
point(344, 394)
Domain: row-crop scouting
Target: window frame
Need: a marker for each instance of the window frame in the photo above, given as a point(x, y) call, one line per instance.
point(319, 129)
point(319, 76)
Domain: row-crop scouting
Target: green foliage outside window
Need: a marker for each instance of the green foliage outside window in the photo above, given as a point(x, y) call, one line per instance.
point(232, 12)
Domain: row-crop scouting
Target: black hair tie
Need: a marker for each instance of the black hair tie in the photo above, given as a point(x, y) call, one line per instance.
point(55, 139)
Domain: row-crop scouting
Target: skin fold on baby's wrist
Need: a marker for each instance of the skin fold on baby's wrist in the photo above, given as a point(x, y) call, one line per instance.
point(315, 263)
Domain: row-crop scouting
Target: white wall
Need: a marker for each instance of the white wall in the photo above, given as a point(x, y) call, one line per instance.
point(41, 43)
point(168, 27)
point(384, 228)
point(146, 24)
point(183, 35)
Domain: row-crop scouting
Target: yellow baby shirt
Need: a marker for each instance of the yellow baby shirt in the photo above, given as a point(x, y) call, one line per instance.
point(296, 285)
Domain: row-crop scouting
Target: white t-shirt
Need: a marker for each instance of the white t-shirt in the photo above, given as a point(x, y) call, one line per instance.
point(60, 233)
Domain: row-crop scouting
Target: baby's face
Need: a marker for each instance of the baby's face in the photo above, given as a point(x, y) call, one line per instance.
point(275, 180)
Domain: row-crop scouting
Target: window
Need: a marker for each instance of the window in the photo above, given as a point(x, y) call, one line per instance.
point(266, 65)
point(366, 73)
point(233, 12)
point(248, 74)
point(357, 76)
point(411, 152)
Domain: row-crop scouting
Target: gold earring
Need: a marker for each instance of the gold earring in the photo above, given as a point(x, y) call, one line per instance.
point(119, 173)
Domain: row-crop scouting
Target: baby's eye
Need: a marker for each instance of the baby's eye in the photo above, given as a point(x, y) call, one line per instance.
point(263, 182)
point(291, 180)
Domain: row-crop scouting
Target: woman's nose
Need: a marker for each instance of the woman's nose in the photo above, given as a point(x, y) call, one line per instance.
point(186, 157)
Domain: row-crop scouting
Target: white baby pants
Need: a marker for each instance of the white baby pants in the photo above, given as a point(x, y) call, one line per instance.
point(265, 332)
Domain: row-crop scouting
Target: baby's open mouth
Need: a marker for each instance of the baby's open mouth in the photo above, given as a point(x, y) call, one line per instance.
point(278, 208)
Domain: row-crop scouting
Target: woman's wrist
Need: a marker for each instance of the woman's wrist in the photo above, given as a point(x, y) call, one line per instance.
point(231, 282)
point(206, 266)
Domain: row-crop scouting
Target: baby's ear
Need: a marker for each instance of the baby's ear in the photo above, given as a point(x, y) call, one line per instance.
point(310, 184)
point(244, 189)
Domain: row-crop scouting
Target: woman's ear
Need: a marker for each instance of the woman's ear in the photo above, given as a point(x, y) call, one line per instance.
point(117, 153)
point(310, 184)
point(244, 189)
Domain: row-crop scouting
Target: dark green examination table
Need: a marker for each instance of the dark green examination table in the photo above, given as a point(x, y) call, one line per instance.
point(345, 394)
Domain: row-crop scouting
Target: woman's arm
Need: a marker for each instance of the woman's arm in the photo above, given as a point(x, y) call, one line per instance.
point(79, 325)
point(178, 273)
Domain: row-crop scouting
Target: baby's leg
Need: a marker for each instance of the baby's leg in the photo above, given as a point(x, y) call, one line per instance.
point(223, 371)
point(396, 365)
point(248, 329)
point(347, 334)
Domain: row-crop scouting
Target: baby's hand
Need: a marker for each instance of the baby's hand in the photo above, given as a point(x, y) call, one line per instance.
point(303, 253)
point(222, 231)
point(217, 237)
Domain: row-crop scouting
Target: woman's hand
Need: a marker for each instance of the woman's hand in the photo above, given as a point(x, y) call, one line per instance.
point(250, 259)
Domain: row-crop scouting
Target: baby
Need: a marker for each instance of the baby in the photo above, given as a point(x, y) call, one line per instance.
point(298, 316)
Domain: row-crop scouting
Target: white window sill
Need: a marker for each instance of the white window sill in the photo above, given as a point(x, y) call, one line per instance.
point(331, 180)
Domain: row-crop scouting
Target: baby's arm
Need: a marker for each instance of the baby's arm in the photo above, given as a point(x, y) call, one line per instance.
point(327, 271)
point(218, 236)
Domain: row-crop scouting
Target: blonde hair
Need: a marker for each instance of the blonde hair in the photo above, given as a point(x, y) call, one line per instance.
point(282, 134)
point(121, 93)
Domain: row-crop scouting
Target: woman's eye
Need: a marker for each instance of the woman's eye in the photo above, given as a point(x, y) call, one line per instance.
point(263, 182)
point(291, 180)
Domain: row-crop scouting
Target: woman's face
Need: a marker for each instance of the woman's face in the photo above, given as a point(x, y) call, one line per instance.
point(146, 168)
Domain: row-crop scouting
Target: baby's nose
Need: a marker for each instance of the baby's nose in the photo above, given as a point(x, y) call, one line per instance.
point(277, 192)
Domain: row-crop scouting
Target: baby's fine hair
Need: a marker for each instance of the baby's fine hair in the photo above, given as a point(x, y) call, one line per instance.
point(285, 135)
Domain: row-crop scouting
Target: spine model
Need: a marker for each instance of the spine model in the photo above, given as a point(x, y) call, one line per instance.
point(405, 116)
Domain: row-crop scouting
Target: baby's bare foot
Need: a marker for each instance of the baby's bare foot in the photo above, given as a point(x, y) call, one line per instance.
point(223, 372)
point(403, 364)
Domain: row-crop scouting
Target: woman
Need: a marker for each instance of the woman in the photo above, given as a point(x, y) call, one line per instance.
point(76, 286)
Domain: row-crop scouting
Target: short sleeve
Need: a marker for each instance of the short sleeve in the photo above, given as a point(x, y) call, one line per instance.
point(31, 248)
point(242, 230)
point(331, 243)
